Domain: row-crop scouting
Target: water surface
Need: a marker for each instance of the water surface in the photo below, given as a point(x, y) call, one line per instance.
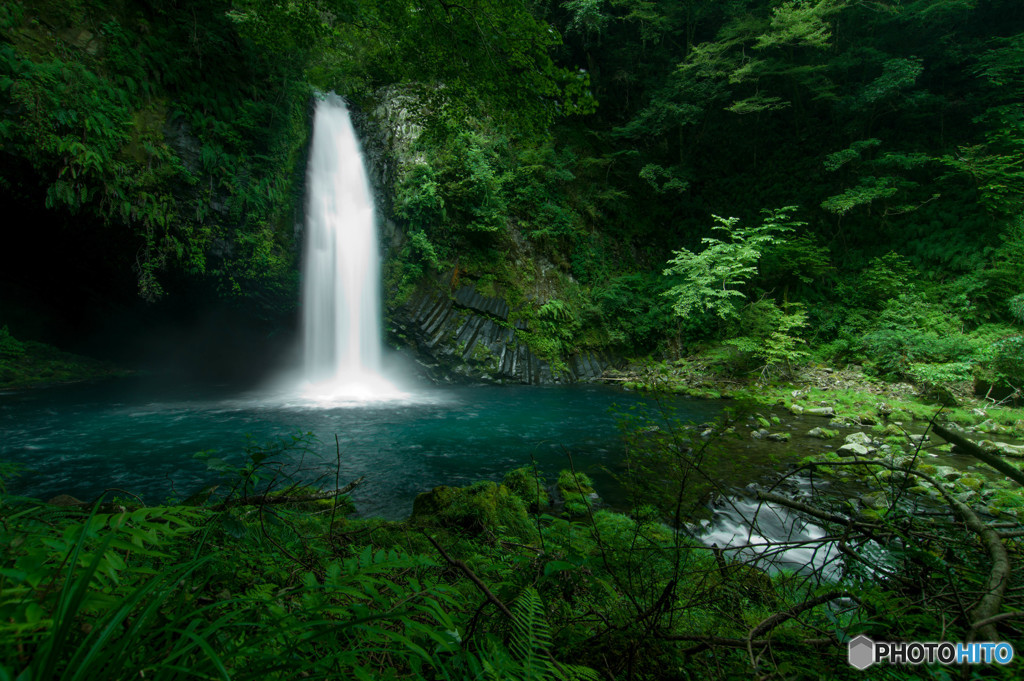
point(83, 439)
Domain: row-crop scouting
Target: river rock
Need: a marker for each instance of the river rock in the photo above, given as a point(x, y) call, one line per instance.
point(65, 500)
point(778, 437)
point(821, 433)
point(821, 411)
point(852, 449)
point(796, 409)
point(1007, 449)
point(966, 496)
point(858, 439)
point(875, 500)
point(947, 473)
point(972, 483)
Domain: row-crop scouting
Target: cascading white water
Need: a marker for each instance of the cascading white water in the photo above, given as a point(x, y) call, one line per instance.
point(341, 318)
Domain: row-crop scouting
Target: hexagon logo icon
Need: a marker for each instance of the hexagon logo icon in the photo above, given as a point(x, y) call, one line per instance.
point(861, 652)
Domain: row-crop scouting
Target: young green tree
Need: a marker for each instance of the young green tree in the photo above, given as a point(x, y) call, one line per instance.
point(714, 279)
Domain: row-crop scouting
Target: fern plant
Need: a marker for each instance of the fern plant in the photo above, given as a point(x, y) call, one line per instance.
point(528, 657)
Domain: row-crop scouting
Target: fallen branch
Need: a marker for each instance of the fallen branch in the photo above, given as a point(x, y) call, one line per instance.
point(814, 512)
point(276, 499)
point(472, 577)
point(1004, 467)
point(769, 623)
point(999, 575)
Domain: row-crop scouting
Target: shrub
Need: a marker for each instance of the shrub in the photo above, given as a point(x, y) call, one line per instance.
point(9, 345)
point(1008, 359)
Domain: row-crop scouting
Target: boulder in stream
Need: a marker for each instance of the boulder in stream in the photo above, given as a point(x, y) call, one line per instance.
point(858, 439)
point(853, 449)
point(1007, 449)
point(876, 501)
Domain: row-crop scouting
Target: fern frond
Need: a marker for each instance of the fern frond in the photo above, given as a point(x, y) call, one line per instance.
point(574, 672)
point(531, 638)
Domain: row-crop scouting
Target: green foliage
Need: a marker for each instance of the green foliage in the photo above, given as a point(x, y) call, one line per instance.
point(577, 492)
point(838, 159)
point(870, 189)
point(529, 486)
point(1016, 305)
point(635, 312)
point(885, 277)
point(125, 128)
point(59, 566)
point(995, 166)
point(941, 374)
point(10, 347)
point(713, 278)
point(26, 363)
point(897, 76)
point(771, 335)
point(482, 507)
point(1008, 360)
point(418, 199)
point(910, 330)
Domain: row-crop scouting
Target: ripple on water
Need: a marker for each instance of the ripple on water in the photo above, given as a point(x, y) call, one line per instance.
point(81, 440)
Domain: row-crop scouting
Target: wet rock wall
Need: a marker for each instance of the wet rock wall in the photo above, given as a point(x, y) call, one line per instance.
point(466, 336)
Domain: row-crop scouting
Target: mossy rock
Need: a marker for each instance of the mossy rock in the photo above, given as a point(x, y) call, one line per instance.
point(577, 491)
point(574, 484)
point(927, 469)
point(478, 507)
point(869, 515)
point(972, 483)
point(529, 487)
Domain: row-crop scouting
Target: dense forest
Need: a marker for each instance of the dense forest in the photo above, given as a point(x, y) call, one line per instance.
point(841, 178)
point(709, 193)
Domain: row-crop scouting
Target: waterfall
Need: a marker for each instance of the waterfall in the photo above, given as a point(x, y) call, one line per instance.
point(341, 302)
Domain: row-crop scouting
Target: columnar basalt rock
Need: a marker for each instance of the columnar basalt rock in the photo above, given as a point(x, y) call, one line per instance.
point(466, 336)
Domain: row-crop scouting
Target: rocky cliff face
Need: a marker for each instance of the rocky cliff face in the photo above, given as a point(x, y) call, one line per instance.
point(462, 335)
point(455, 334)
